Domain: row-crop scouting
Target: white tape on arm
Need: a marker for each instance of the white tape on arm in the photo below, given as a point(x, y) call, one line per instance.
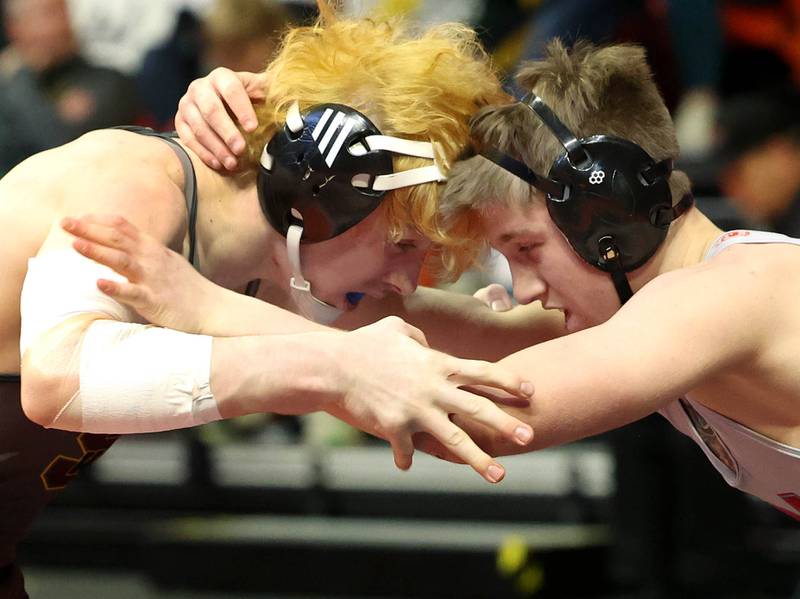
point(139, 379)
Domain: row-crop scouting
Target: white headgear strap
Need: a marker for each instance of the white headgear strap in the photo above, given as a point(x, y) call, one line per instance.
point(310, 307)
point(396, 145)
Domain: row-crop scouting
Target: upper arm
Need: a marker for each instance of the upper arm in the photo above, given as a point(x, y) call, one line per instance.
point(60, 299)
point(673, 335)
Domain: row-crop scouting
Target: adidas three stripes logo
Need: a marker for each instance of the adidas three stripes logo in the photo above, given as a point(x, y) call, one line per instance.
point(332, 124)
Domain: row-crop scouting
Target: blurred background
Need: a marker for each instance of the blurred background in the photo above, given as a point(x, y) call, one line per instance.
point(288, 507)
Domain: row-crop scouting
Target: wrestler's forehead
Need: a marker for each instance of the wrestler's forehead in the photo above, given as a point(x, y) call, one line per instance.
point(503, 223)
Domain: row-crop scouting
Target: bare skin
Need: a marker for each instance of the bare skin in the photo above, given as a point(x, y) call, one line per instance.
point(294, 367)
point(220, 144)
point(164, 288)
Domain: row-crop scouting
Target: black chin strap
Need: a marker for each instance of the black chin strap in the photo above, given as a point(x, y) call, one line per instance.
point(610, 255)
point(610, 261)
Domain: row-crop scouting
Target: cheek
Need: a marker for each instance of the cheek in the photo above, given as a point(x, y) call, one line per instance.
point(585, 288)
point(340, 267)
point(564, 269)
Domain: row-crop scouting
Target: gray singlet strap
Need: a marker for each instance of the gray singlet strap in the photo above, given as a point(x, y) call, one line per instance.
point(189, 184)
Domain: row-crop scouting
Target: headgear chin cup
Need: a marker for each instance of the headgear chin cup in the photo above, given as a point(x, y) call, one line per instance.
point(608, 197)
point(306, 303)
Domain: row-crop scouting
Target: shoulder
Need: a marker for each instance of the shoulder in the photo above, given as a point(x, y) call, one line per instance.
point(737, 302)
point(740, 275)
point(113, 172)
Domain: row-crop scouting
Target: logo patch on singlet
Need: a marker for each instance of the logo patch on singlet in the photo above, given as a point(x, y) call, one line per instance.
point(62, 469)
point(730, 235)
point(710, 438)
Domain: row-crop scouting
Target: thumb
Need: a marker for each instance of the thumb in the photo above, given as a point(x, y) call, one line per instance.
point(495, 296)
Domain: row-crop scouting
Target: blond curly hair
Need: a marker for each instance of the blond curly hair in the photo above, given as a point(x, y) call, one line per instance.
point(421, 85)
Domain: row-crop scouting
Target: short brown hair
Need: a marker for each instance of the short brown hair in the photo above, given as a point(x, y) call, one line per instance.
point(593, 90)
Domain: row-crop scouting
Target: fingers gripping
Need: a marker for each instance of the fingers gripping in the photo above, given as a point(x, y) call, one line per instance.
point(481, 410)
point(232, 87)
point(116, 260)
point(459, 444)
point(107, 229)
point(403, 450)
point(196, 133)
point(126, 293)
point(107, 239)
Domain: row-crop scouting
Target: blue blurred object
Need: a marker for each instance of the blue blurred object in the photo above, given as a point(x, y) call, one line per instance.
point(354, 297)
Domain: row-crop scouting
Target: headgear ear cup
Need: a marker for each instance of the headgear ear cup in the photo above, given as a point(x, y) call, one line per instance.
point(609, 197)
point(323, 172)
point(333, 166)
point(313, 169)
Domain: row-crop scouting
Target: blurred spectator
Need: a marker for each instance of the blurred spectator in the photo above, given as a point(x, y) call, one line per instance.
point(239, 34)
point(168, 69)
point(49, 94)
point(425, 12)
point(119, 34)
point(675, 34)
point(243, 34)
point(759, 157)
point(767, 29)
point(3, 38)
point(501, 19)
point(595, 20)
point(697, 44)
point(644, 22)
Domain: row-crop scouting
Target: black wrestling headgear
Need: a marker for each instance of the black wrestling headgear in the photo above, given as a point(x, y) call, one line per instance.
point(332, 165)
point(610, 199)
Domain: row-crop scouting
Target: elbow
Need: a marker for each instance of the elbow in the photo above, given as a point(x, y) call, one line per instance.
point(44, 389)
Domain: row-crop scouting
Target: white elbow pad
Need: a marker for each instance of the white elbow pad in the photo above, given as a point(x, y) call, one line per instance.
point(138, 379)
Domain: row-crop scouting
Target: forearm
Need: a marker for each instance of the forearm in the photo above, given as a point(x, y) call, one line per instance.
point(231, 314)
point(284, 374)
point(461, 325)
point(111, 377)
point(581, 390)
